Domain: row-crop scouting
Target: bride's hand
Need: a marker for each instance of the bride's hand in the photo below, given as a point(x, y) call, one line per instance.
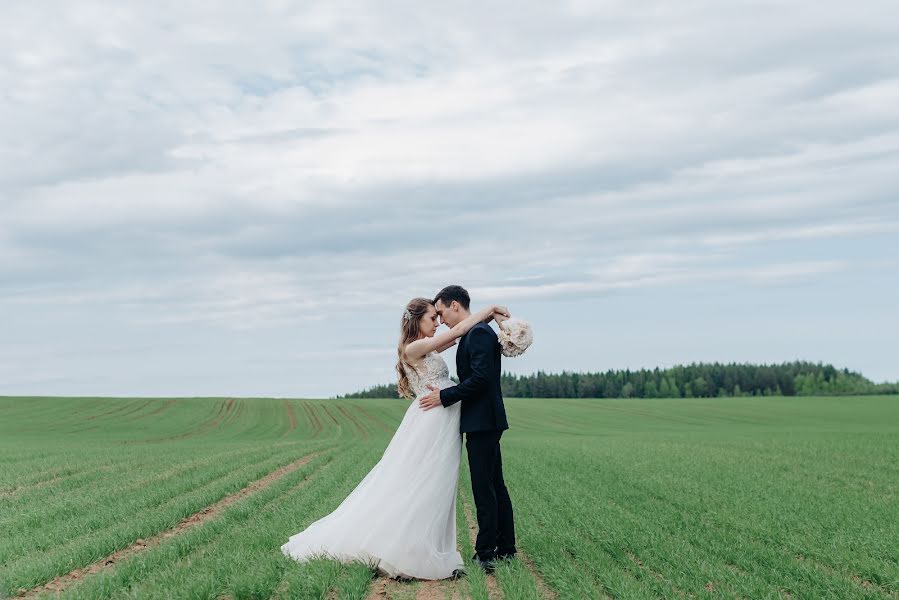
point(501, 310)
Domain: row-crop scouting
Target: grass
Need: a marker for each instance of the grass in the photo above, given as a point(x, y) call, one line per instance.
point(710, 498)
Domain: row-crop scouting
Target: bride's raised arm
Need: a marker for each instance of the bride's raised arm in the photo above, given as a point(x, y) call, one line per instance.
point(500, 319)
point(442, 341)
point(446, 346)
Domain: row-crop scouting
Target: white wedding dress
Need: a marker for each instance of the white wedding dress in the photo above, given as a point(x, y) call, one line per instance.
point(402, 515)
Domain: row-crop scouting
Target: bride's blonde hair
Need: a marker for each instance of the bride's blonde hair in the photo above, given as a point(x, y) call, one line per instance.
point(410, 330)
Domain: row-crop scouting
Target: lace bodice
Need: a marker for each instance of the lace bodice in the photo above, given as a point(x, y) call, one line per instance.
point(431, 371)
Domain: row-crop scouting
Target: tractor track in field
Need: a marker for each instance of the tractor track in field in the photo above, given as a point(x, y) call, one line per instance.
point(110, 495)
point(544, 590)
point(356, 423)
point(333, 418)
point(316, 423)
point(381, 588)
point(224, 412)
point(591, 579)
point(119, 411)
point(864, 585)
point(221, 416)
point(160, 409)
point(654, 573)
point(125, 405)
point(493, 590)
point(233, 415)
point(281, 588)
point(181, 469)
point(321, 467)
point(135, 409)
point(384, 588)
point(12, 492)
point(291, 416)
point(63, 582)
point(431, 590)
point(375, 420)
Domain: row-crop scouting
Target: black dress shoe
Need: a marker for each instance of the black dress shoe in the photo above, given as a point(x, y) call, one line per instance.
point(489, 566)
point(458, 574)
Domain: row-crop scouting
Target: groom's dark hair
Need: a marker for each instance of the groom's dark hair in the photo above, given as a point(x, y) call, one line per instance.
point(453, 292)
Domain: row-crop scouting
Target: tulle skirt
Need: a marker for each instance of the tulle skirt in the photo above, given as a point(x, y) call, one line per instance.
point(402, 515)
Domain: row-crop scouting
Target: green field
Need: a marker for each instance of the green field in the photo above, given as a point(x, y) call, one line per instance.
point(713, 498)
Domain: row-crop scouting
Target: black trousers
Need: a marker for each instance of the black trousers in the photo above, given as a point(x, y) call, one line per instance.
point(496, 527)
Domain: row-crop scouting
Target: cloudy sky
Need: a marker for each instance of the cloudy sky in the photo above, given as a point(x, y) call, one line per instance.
point(238, 198)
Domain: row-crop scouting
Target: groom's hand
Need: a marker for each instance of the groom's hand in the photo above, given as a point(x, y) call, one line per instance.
point(432, 400)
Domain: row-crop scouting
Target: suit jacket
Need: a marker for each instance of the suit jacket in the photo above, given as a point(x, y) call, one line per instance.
point(478, 365)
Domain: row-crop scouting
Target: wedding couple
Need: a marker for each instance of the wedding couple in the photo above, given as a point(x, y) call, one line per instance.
point(402, 515)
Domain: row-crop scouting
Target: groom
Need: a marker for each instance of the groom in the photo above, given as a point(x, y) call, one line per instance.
point(483, 420)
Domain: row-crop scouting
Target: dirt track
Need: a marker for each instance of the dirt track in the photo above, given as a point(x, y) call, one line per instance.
point(62, 582)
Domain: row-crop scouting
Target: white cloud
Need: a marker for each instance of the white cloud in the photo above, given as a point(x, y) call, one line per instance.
point(793, 273)
point(253, 168)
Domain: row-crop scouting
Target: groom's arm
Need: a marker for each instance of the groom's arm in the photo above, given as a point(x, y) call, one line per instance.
point(480, 345)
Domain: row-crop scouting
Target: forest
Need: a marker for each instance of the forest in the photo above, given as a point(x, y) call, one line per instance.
point(698, 380)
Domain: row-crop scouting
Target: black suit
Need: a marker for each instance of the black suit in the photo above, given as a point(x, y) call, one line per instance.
point(483, 420)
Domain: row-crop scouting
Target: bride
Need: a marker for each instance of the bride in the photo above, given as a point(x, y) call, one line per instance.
point(402, 515)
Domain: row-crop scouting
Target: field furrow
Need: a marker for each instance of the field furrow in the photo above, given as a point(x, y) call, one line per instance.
point(62, 582)
point(634, 499)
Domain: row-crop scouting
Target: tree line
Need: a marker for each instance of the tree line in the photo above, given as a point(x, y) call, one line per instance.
point(698, 380)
